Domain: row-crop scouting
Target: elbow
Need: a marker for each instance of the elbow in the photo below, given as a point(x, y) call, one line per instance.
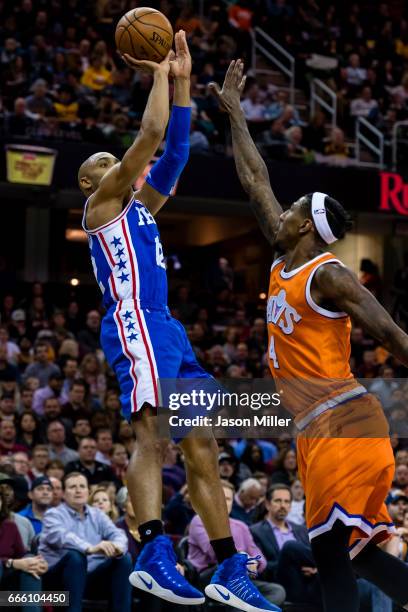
point(153, 131)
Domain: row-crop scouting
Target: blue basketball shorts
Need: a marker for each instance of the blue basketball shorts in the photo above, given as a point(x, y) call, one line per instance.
point(143, 345)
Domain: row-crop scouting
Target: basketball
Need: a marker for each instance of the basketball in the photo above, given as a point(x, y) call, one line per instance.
point(145, 34)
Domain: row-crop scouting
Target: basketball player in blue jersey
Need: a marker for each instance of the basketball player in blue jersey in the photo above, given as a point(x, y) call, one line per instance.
point(143, 343)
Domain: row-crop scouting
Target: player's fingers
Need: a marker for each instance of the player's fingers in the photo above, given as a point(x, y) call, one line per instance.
point(215, 89)
point(240, 71)
point(230, 70)
point(181, 44)
point(242, 84)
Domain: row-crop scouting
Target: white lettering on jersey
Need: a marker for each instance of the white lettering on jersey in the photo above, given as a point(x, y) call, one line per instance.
point(145, 217)
point(159, 253)
point(280, 313)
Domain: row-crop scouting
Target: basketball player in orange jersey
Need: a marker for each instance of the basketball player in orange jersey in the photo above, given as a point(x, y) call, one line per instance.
point(143, 343)
point(312, 297)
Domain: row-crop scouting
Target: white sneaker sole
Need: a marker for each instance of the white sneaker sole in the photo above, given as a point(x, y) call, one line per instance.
point(222, 595)
point(141, 580)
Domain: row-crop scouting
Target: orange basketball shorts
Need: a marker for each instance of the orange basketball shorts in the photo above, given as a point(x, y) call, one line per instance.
point(346, 465)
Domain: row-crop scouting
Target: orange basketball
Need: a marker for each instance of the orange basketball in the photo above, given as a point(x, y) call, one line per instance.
point(145, 34)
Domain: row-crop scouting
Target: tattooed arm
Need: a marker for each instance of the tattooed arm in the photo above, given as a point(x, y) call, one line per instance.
point(251, 168)
point(337, 285)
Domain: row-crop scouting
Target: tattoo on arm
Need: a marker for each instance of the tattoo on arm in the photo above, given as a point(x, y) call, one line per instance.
point(339, 285)
point(254, 176)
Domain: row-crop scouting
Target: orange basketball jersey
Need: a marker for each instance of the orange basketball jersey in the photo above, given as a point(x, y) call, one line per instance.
point(309, 346)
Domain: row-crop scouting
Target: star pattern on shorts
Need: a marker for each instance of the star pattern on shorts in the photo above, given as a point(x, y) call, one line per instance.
point(119, 253)
point(124, 278)
point(130, 326)
point(132, 337)
point(116, 242)
point(121, 264)
point(128, 315)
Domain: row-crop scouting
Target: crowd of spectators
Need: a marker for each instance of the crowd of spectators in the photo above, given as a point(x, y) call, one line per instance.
point(64, 450)
point(61, 77)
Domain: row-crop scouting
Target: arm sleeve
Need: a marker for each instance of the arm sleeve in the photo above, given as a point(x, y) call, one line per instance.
point(166, 171)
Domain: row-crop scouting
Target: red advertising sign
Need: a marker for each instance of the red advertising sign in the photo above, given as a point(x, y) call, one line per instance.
point(394, 193)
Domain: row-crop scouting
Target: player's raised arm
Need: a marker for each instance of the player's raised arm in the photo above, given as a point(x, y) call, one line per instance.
point(251, 168)
point(116, 182)
point(339, 285)
point(165, 173)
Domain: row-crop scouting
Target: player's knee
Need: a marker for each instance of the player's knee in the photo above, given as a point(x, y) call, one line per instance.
point(200, 454)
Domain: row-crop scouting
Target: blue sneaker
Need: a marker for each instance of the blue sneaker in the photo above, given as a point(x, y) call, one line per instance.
point(231, 586)
point(155, 572)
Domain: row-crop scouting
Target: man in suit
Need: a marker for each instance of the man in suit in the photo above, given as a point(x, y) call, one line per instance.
point(286, 548)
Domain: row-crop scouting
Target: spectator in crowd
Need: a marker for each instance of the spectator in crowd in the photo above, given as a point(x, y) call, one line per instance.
point(128, 524)
point(97, 76)
point(297, 508)
point(25, 528)
point(57, 491)
point(246, 501)
point(86, 464)
point(202, 557)
point(7, 370)
point(286, 547)
point(336, 145)
point(104, 445)
point(11, 347)
point(89, 337)
point(81, 429)
point(70, 373)
point(21, 465)
point(52, 389)
point(401, 478)
point(22, 573)
point(28, 429)
point(41, 368)
point(78, 403)
point(354, 74)
point(286, 468)
point(55, 468)
point(315, 133)
point(41, 499)
point(174, 474)
point(92, 561)
point(26, 400)
point(253, 109)
point(8, 435)
point(39, 103)
point(397, 505)
point(56, 443)
point(364, 105)
point(8, 405)
point(179, 512)
point(39, 460)
point(99, 498)
point(120, 462)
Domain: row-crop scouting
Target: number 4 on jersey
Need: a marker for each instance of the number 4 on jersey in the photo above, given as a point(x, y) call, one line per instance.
point(272, 353)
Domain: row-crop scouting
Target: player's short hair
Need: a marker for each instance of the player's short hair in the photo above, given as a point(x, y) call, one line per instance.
point(338, 218)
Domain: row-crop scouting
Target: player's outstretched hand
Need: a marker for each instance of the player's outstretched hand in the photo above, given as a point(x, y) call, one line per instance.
point(147, 65)
point(230, 95)
point(180, 66)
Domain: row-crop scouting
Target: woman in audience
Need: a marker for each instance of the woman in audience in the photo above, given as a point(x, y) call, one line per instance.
point(28, 430)
point(100, 498)
point(16, 571)
point(120, 461)
point(55, 468)
point(286, 468)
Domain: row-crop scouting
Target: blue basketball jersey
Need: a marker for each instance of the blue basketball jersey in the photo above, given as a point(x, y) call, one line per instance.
point(127, 258)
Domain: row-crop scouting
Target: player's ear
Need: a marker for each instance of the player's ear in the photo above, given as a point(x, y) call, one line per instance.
point(306, 226)
point(85, 183)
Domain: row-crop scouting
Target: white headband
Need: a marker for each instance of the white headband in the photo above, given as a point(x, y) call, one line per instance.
point(320, 217)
